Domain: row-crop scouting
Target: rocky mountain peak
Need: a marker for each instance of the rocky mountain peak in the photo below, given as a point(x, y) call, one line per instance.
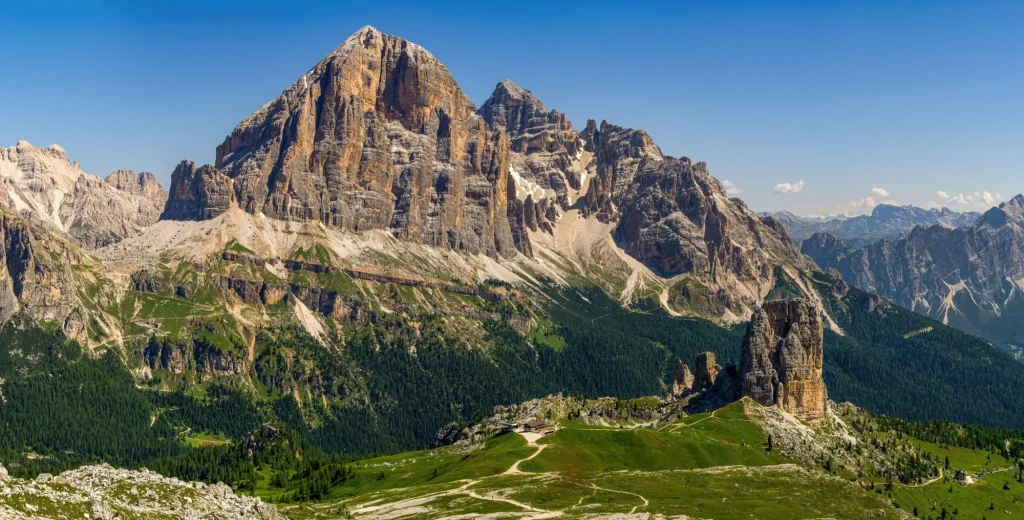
point(1009, 211)
point(513, 108)
point(55, 151)
point(377, 135)
point(197, 193)
point(44, 186)
point(142, 184)
point(825, 249)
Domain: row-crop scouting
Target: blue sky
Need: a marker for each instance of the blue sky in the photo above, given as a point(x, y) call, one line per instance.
point(816, 107)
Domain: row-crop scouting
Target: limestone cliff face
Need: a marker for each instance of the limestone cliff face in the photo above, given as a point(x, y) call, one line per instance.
point(197, 193)
point(43, 185)
point(705, 370)
point(673, 215)
point(782, 357)
point(36, 277)
point(548, 159)
point(377, 135)
point(826, 250)
point(682, 378)
point(142, 184)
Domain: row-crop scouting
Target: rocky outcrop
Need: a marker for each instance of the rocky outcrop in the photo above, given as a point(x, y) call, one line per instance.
point(108, 493)
point(41, 184)
point(704, 371)
point(682, 378)
point(674, 216)
point(197, 193)
point(196, 355)
point(782, 358)
point(142, 184)
point(36, 275)
point(971, 277)
point(547, 154)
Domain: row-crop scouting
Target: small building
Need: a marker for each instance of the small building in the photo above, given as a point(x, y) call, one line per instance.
point(960, 476)
point(535, 425)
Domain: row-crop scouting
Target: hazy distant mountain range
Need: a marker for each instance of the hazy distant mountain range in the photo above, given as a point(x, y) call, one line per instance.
point(970, 277)
point(885, 221)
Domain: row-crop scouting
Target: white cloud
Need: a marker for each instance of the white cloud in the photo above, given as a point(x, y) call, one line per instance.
point(880, 192)
point(787, 188)
point(730, 188)
point(977, 200)
point(961, 200)
point(990, 199)
point(861, 206)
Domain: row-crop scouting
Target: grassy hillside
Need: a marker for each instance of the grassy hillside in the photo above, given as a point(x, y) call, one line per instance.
point(706, 466)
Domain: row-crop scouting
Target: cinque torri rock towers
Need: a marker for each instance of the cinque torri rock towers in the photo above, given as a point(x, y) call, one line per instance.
point(782, 359)
point(781, 364)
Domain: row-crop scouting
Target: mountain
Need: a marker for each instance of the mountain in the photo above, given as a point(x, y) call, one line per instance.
point(378, 136)
point(44, 185)
point(969, 277)
point(886, 221)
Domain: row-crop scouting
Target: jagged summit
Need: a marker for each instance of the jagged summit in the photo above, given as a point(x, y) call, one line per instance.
point(510, 90)
point(43, 185)
point(519, 111)
point(379, 136)
point(1009, 211)
point(54, 150)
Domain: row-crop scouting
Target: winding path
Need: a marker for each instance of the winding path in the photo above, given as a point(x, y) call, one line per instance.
point(531, 440)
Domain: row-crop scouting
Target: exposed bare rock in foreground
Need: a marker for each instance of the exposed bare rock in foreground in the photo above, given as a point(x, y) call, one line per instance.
point(782, 360)
point(104, 493)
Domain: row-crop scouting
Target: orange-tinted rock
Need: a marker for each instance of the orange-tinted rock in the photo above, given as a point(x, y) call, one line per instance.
point(782, 359)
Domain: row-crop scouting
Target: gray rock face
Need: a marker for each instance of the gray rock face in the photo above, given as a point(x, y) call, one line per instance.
point(545, 148)
point(782, 358)
point(142, 184)
point(42, 185)
point(36, 275)
point(704, 371)
point(673, 215)
point(197, 194)
point(682, 378)
point(377, 135)
point(971, 277)
point(826, 250)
